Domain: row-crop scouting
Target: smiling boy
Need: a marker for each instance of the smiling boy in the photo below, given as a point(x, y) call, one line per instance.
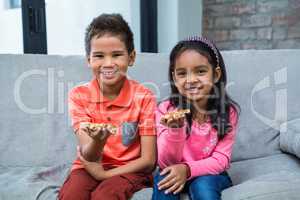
point(111, 166)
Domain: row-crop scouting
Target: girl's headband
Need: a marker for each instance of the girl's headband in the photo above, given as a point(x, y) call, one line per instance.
point(207, 43)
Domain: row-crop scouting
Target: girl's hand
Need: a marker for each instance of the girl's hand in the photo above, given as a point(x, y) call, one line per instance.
point(174, 119)
point(175, 180)
point(95, 169)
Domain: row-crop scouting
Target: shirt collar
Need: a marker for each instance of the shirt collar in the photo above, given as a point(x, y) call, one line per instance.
point(123, 99)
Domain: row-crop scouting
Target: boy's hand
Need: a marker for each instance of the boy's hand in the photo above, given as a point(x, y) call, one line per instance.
point(95, 169)
point(174, 119)
point(99, 132)
point(175, 180)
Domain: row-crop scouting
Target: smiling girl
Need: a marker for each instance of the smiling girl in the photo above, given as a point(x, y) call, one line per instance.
point(194, 149)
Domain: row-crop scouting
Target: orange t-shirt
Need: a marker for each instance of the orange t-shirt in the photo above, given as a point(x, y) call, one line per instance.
point(132, 112)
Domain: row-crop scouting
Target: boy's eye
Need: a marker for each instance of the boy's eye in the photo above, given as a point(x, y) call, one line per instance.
point(98, 56)
point(117, 54)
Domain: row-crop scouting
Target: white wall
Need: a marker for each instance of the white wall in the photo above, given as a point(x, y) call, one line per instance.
point(11, 34)
point(67, 21)
point(177, 19)
point(189, 18)
point(167, 25)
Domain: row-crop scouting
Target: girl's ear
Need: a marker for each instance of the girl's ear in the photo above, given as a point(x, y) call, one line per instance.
point(174, 79)
point(218, 74)
point(132, 56)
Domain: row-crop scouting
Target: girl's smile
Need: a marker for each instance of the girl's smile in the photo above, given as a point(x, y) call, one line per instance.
point(194, 76)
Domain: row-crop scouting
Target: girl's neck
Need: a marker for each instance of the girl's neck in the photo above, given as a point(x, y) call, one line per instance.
point(200, 117)
point(200, 114)
point(200, 106)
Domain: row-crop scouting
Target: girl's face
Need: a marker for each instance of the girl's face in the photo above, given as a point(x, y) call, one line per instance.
point(194, 76)
point(109, 60)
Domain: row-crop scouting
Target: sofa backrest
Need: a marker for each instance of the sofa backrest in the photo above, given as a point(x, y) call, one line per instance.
point(34, 124)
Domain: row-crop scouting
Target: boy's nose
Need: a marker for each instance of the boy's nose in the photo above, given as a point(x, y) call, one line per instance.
point(107, 62)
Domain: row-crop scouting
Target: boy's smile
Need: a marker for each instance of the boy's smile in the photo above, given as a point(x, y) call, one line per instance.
point(108, 72)
point(109, 60)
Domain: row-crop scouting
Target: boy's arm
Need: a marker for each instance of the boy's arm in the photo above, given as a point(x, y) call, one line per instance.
point(89, 147)
point(145, 163)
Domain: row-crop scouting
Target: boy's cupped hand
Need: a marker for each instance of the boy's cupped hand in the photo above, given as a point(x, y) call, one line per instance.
point(97, 133)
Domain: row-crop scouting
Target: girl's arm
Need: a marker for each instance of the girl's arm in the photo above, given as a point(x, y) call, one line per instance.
point(170, 141)
point(219, 161)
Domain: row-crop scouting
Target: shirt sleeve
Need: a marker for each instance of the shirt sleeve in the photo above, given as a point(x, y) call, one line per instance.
point(77, 110)
point(147, 118)
point(170, 141)
point(219, 161)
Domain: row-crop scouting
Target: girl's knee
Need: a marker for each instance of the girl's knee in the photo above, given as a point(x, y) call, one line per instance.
point(205, 188)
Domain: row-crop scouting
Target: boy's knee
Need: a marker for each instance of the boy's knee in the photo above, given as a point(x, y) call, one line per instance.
point(71, 195)
point(113, 188)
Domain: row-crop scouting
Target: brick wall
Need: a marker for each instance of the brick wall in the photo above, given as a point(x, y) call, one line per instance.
point(252, 24)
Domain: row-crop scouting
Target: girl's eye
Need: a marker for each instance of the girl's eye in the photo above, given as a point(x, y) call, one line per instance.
point(180, 74)
point(201, 71)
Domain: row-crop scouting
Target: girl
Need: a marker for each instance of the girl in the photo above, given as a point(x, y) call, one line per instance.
point(194, 149)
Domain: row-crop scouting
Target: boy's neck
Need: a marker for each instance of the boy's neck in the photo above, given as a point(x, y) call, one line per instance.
point(113, 91)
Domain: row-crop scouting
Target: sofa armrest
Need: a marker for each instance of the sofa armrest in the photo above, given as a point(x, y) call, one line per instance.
point(290, 137)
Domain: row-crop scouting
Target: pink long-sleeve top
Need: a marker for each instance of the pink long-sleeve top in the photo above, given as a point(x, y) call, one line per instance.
point(201, 151)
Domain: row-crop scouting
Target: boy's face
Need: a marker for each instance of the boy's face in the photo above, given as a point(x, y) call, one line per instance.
point(109, 60)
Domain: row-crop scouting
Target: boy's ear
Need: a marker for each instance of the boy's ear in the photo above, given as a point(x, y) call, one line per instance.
point(132, 56)
point(88, 60)
point(218, 74)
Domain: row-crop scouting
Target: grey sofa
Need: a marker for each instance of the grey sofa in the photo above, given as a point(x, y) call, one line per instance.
point(37, 145)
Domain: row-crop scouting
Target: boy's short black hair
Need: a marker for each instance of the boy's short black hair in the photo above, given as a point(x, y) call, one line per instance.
point(113, 24)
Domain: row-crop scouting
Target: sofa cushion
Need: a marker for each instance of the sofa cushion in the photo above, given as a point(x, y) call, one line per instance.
point(245, 170)
point(275, 185)
point(290, 137)
point(38, 183)
point(263, 83)
point(34, 125)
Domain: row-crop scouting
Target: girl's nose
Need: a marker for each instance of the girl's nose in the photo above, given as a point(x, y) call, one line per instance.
point(191, 78)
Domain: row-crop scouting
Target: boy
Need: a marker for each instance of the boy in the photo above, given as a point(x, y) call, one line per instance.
point(111, 166)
